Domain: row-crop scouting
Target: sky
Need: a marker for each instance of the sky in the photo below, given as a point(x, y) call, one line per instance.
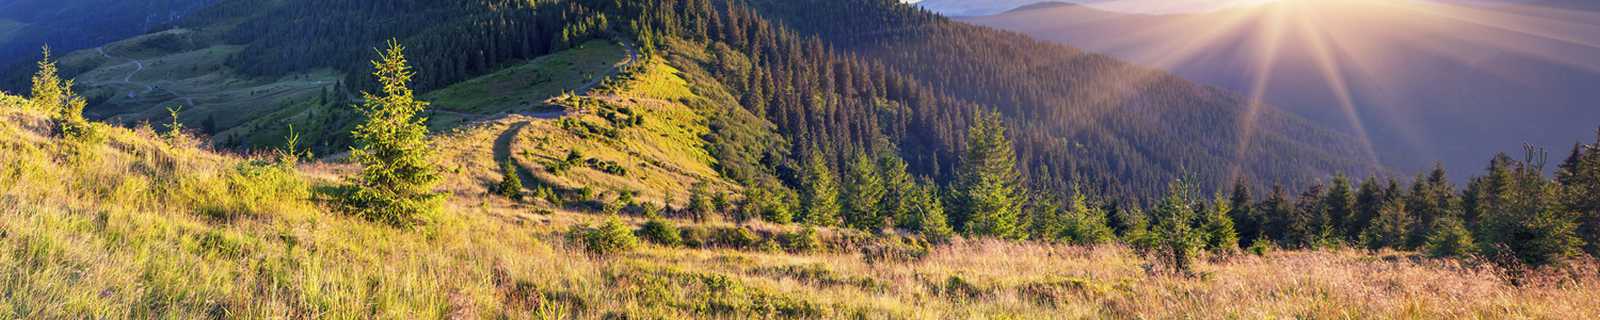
point(989, 7)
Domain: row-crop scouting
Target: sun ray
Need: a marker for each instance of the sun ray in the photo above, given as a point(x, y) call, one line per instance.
point(1329, 67)
point(1269, 46)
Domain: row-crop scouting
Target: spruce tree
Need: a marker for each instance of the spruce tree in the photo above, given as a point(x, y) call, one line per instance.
point(1369, 199)
point(1218, 226)
point(928, 213)
point(1274, 214)
point(1245, 222)
point(898, 186)
point(988, 191)
point(397, 173)
point(821, 192)
point(1389, 228)
point(54, 97)
point(1449, 238)
point(1083, 224)
point(1175, 241)
point(864, 194)
point(510, 182)
point(1341, 205)
point(1522, 220)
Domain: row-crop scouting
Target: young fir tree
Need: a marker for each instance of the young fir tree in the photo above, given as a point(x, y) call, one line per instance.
point(1389, 228)
point(899, 186)
point(701, 207)
point(1247, 226)
point(1341, 205)
point(1221, 238)
point(1274, 215)
point(397, 173)
point(1082, 224)
point(1369, 199)
point(1522, 220)
point(988, 191)
point(1175, 242)
point(927, 214)
point(864, 193)
point(821, 192)
point(1449, 238)
point(54, 97)
point(510, 182)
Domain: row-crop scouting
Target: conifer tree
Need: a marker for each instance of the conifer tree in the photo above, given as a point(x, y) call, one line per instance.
point(1174, 238)
point(397, 172)
point(988, 189)
point(864, 194)
point(1083, 224)
point(1449, 238)
point(55, 97)
point(821, 192)
point(1247, 226)
point(1274, 215)
point(1389, 228)
point(1522, 221)
point(927, 213)
point(898, 186)
point(1341, 205)
point(510, 182)
point(1221, 237)
point(1369, 199)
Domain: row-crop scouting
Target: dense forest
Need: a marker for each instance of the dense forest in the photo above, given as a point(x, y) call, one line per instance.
point(73, 25)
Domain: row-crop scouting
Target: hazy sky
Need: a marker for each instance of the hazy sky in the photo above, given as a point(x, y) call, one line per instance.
point(988, 7)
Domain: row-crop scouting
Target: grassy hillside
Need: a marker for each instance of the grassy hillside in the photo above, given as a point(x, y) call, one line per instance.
point(144, 226)
point(123, 232)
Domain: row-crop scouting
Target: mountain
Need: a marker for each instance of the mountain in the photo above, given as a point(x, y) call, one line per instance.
point(1425, 81)
point(910, 86)
point(26, 25)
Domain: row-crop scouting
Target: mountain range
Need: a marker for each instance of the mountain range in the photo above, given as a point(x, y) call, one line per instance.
point(1422, 81)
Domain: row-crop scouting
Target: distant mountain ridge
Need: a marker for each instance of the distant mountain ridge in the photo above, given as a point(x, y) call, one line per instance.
point(1453, 97)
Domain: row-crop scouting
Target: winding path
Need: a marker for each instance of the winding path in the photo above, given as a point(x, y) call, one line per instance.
point(139, 67)
point(633, 57)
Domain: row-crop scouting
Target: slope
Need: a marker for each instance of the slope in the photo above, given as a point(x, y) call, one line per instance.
point(140, 227)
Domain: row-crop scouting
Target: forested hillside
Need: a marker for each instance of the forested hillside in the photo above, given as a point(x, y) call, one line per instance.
point(69, 25)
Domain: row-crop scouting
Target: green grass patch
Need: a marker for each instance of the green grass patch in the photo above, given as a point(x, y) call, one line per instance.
point(525, 87)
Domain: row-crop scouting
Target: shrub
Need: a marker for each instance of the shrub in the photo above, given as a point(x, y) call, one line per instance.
point(804, 241)
point(1261, 247)
point(737, 238)
point(610, 238)
point(695, 237)
point(660, 232)
point(895, 249)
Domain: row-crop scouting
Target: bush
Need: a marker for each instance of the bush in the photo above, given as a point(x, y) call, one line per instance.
point(1261, 247)
point(895, 249)
point(804, 241)
point(660, 232)
point(610, 238)
point(737, 238)
point(695, 237)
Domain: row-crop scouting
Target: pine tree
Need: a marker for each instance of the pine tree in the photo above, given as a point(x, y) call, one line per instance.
point(864, 194)
point(928, 214)
point(1389, 228)
point(397, 174)
point(1082, 224)
point(1449, 238)
point(54, 97)
point(1174, 238)
point(899, 186)
point(1369, 199)
point(510, 182)
point(1522, 220)
point(1274, 214)
point(1248, 226)
point(821, 192)
point(47, 87)
point(1579, 177)
point(1221, 237)
point(989, 191)
point(1341, 205)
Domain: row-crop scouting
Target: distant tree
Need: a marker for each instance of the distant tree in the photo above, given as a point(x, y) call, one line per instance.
point(1369, 200)
point(821, 192)
point(988, 192)
point(1218, 226)
point(510, 182)
point(1274, 215)
point(701, 207)
point(1083, 224)
point(1174, 242)
point(1449, 238)
point(1389, 228)
point(899, 186)
point(397, 174)
point(1246, 223)
point(1341, 205)
point(864, 194)
point(927, 213)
